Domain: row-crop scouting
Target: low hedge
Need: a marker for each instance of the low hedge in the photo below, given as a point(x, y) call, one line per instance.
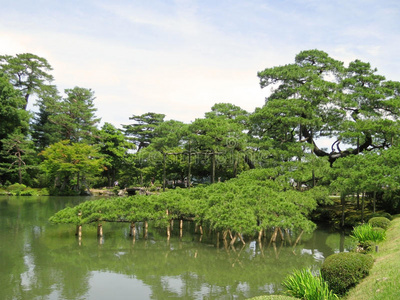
point(380, 214)
point(344, 270)
point(380, 222)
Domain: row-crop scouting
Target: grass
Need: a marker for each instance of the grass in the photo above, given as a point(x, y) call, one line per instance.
point(273, 297)
point(366, 232)
point(383, 280)
point(304, 285)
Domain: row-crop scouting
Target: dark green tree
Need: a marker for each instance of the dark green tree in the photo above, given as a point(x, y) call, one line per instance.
point(114, 147)
point(17, 151)
point(27, 72)
point(45, 132)
point(75, 115)
point(142, 131)
point(317, 97)
point(14, 119)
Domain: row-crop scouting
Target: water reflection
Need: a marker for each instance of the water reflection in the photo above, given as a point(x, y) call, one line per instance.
point(43, 261)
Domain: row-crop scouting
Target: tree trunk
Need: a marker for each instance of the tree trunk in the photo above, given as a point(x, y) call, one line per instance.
point(374, 202)
point(362, 206)
point(189, 167)
point(213, 167)
point(343, 202)
point(164, 171)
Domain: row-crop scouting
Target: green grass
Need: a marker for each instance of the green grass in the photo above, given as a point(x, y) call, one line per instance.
point(383, 280)
point(366, 232)
point(272, 297)
point(304, 285)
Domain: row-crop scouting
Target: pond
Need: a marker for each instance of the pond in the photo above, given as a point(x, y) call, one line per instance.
point(39, 260)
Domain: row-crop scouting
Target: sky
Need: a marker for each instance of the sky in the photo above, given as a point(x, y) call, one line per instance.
point(181, 57)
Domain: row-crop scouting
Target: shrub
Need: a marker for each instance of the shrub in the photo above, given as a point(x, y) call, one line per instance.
point(28, 192)
point(303, 284)
point(380, 222)
point(381, 214)
point(44, 192)
point(16, 188)
point(344, 270)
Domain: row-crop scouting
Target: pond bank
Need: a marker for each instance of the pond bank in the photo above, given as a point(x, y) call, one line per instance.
point(383, 280)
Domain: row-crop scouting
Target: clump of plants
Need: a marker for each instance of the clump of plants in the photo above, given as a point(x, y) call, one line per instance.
point(366, 235)
point(344, 270)
point(304, 285)
point(380, 222)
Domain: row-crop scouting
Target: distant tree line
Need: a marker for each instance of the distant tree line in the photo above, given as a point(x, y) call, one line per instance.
point(314, 100)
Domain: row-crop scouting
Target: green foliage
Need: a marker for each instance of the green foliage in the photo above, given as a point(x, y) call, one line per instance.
point(19, 155)
point(27, 72)
point(366, 232)
point(380, 214)
point(75, 116)
point(380, 222)
point(16, 188)
point(244, 205)
point(304, 285)
point(114, 147)
point(272, 297)
point(344, 270)
point(71, 164)
point(142, 131)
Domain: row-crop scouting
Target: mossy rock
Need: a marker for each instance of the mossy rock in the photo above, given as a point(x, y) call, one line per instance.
point(344, 270)
point(380, 222)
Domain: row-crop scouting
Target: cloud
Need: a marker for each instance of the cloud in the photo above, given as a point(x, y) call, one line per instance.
point(181, 57)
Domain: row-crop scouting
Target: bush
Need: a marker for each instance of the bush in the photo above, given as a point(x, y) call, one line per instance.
point(29, 192)
point(344, 270)
point(381, 214)
point(16, 188)
point(380, 222)
point(44, 192)
point(304, 285)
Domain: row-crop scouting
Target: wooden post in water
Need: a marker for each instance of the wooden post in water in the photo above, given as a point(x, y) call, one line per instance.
point(281, 233)
point(132, 229)
point(180, 228)
point(260, 235)
point(288, 236)
point(234, 239)
point(168, 227)
point(100, 230)
point(273, 237)
point(146, 226)
point(79, 227)
point(241, 238)
point(298, 238)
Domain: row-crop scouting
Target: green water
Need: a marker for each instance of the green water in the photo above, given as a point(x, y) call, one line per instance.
point(39, 260)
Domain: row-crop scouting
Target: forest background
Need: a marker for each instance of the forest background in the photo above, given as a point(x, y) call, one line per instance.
point(316, 98)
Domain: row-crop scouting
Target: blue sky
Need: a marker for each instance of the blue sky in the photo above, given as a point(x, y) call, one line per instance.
point(181, 57)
